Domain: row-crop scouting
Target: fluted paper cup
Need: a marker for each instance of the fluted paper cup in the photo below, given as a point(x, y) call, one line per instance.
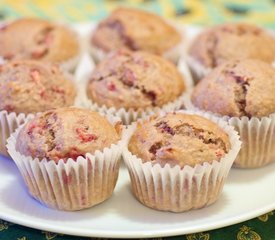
point(181, 189)
point(69, 184)
point(128, 116)
point(8, 123)
point(257, 136)
point(198, 71)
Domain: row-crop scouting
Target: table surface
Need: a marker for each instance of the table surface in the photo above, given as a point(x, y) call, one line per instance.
point(186, 11)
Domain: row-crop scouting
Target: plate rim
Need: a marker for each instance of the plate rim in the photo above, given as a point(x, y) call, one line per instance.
point(161, 233)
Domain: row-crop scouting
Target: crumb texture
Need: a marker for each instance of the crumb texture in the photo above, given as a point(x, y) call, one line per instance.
point(65, 133)
point(30, 86)
point(230, 42)
point(238, 88)
point(135, 80)
point(135, 29)
point(37, 39)
point(179, 139)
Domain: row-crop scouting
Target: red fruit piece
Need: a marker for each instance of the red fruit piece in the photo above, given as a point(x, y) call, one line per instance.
point(219, 153)
point(58, 90)
point(31, 128)
point(35, 75)
point(84, 136)
point(111, 86)
point(39, 53)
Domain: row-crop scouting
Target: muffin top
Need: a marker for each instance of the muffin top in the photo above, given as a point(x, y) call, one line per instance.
point(230, 42)
point(134, 80)
point(238, 88)
point(37, 39)
point(30, 86)
point(65, 133)
point(135, 29)
point(179, 139)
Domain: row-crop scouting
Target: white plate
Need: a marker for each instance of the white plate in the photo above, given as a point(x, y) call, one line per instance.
point(247, 194)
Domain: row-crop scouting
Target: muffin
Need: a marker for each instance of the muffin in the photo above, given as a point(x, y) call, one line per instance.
point(135, 81)
point(179, 161)
point(28, 87)
point(38, 39)
point(230, 41)
point(244, 92)
point(68, 157)
point(135, 29)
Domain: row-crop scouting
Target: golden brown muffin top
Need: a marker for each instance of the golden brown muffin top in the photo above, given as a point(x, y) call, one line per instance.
point(134, 80)
point(238, 88)
point(65, 133)
point(230, 42)
point(31, 86)
point(179, 139)
point(37, 39)
point(135, 29)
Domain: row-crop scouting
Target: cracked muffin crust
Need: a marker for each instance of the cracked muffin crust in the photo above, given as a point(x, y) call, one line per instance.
point(230, 42)
point(37, 39)
point(179, 139)
point(65, 133)
point(30, 86)
point(135, 29)
point(238, 88)
point(134, 80)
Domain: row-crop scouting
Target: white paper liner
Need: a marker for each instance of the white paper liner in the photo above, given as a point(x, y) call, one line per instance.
point(131, 115)
point(257, 136)
point(184, 70)
point(173, 189)
point(8, 123)
point(97, 54)
point(197, 69)
point(173, 54)
point(72, 185)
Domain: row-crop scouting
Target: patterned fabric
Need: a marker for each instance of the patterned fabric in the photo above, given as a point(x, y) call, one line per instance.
point(261, 228)
point(207, 12)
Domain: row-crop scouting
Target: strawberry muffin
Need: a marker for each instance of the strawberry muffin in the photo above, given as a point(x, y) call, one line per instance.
point(170, 159)
point(243, 91)
point(39, 40)
point(72, 147)
point(28, 87)
point(135, 81)
point(135, 29)
point(230, 41)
